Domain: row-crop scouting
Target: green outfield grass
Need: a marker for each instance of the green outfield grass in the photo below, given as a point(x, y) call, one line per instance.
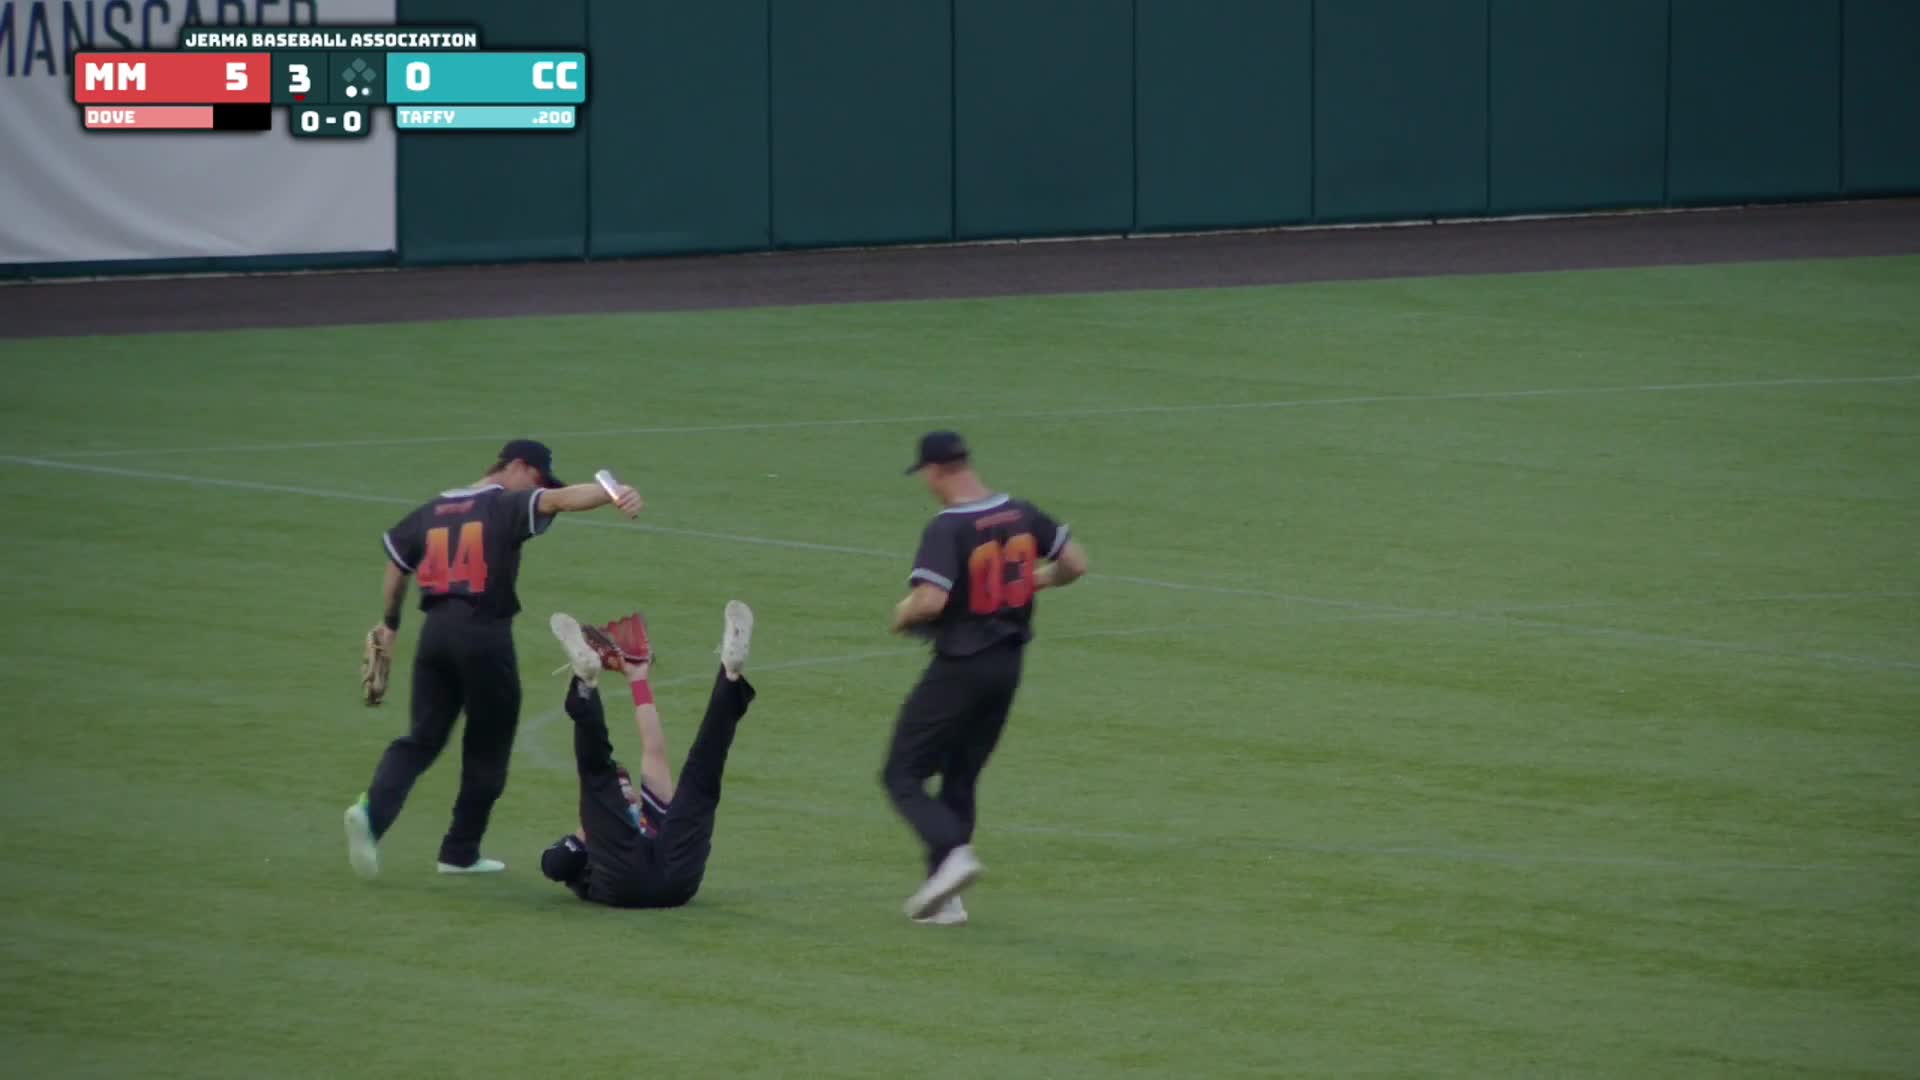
point(1511, 676)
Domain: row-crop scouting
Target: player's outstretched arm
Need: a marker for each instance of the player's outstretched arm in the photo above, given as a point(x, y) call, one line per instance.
point(656, 768)
point(1070, 566)
point(581, 497)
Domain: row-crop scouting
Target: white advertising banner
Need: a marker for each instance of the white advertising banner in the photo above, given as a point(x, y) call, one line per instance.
point(71, 195)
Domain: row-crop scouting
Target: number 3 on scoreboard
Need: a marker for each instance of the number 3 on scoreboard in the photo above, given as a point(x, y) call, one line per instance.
point(237, 76)
point(298, 81)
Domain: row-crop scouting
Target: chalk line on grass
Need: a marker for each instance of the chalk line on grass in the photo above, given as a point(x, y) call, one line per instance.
point(1090, 412)
point(1377, 610)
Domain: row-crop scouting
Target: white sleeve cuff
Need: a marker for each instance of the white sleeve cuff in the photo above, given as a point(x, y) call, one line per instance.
point(394, 553)
point(536, 524)
point(931, 578)
point(1059, 542)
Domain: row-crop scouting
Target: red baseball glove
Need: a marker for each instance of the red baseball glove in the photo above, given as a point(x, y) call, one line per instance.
point(620, 642)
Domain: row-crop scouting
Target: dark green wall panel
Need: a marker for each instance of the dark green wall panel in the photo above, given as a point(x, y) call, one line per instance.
point(1579, 96)
point(1756, 100)
point(489, 196)
point(1400, 108)
point(732, 125)
point(678, 116)
point(1881, 122)
point(1225, 99)
point(862, 121)
point(1043, 117)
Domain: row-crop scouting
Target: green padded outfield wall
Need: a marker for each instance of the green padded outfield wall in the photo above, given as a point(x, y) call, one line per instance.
point(862, 112)
point(1224, 130)
point(1755, 108)
point(1578, 104)
point(678, 119)
point(488, 196)
point(730, 125)
point(1400, 108)
point(1043, 117)
point(1880, 90)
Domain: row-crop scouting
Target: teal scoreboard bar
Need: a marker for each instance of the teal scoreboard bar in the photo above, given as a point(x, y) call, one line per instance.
point(330, 78)
point(482, 117)
point(487, 78)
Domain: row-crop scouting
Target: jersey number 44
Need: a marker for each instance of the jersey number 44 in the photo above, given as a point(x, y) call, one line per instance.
point(467, 565)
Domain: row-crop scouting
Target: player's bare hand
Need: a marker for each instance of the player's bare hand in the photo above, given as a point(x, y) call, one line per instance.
point(629, 501)
point(904, 623)
point(382, 636)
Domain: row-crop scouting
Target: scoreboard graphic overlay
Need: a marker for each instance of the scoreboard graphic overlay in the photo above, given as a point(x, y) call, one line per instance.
point(329, 79)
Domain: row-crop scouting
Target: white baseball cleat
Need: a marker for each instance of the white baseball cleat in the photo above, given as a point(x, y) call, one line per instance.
point(363, 851)
point(951, 913)
point(580, 655)
point(480, 866)
point(738, 639)
point(957, 871)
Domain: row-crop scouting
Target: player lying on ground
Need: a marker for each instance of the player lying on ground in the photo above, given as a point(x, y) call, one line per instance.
point(644, 849)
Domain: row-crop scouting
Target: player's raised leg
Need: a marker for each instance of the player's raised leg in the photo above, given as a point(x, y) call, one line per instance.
point(687, 835)
point(604, 816)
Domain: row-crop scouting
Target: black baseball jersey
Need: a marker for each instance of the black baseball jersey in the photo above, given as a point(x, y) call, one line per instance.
point(464, 547)
point(985, 555)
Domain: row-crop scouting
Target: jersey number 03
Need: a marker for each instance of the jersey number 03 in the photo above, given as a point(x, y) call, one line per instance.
point(1000, 574)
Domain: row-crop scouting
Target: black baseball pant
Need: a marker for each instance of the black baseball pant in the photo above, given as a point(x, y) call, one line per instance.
point(949, 726)
point(462, 664)
point(625, 867)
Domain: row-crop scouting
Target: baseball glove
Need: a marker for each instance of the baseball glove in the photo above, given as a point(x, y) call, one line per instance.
point(375, 665)
point(629, 637)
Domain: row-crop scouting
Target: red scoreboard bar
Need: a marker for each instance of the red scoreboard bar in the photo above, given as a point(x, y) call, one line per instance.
point(175, 78)
point(152, 117)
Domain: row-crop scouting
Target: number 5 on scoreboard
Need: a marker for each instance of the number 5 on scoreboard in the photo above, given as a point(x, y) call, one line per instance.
point(237, 76)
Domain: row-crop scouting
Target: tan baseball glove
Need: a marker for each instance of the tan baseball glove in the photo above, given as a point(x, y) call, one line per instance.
point(375, 665)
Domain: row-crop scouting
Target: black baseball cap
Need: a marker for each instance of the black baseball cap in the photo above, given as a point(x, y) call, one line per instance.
point(939, 448)
point(534, 453)
point(565, 860)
